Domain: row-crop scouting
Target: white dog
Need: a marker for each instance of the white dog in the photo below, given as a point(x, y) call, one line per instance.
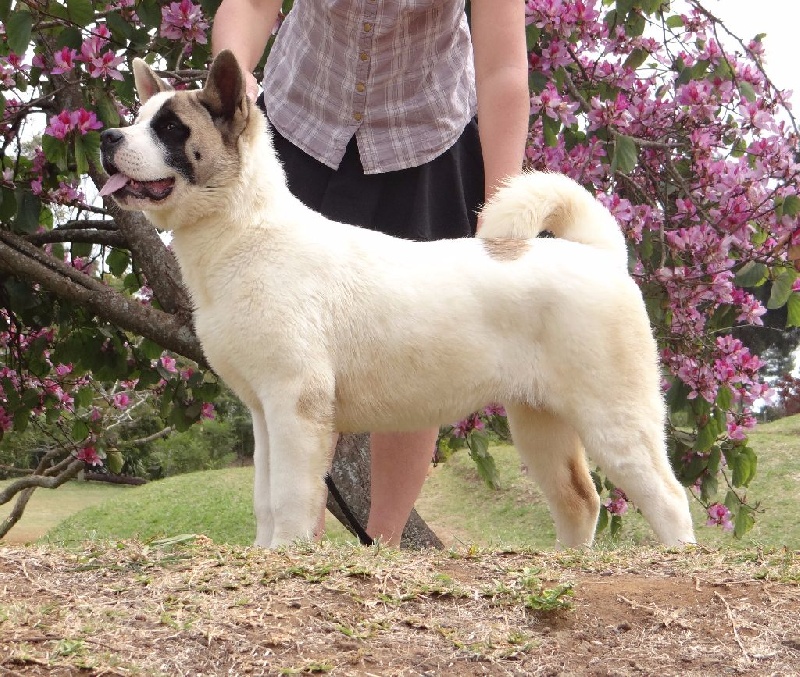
point(321, 327)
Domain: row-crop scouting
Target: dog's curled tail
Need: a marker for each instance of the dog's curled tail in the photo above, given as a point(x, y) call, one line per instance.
point(534, 202)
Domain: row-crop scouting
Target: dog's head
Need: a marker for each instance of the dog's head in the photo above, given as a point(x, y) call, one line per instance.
point(183, 145)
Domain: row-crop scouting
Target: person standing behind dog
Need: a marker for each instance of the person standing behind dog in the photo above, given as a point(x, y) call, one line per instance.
point(373, 110)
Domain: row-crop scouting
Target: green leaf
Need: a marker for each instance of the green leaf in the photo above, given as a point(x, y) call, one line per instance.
point(724, 398)
point(706, 436)
point(8, 205)
point(636, 58)
point(80, 431)
point(114, 461)
point(106, 109)
point(551, 129)
point(793, 308)
point(69, 37)
point(81, 249)
point(84, 397)
point(625, 154)
point(624, 6)
point(744, 467)
point(29, 206)
point(747, 91)
point(675, 21)
point(532, 36)
point(782, 288)
point(118, 261)
point(87, 149)
point(18, 31)
point(790, 205)
point(478, 444)
point(149, 13)
point(744, 521)
point(602, 520)
point(55, 150)
point(751, 274)
point(21, 420)
point(151, 350)
point(678, 396)
point(80, 11)
point(635, 25)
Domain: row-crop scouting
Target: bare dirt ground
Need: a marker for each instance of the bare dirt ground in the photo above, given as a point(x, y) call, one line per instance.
point(190, 607)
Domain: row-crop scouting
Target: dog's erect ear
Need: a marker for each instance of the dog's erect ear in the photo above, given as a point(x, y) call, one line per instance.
point(147, 82)
point(224, 94)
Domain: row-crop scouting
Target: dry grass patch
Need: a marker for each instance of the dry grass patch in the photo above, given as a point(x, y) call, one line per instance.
point(188, 607)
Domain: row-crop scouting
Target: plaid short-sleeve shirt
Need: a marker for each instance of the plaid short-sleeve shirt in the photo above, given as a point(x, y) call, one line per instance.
point(397, 74)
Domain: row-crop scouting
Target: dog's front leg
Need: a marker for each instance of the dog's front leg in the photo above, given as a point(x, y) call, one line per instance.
point(290, 470)
point(262, 500)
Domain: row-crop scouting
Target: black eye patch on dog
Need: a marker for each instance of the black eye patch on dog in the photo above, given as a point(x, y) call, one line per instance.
point(173, 134)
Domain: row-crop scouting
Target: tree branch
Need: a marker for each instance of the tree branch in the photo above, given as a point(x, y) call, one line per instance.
point(21, 258)
point(26, 486)
point(101, 237)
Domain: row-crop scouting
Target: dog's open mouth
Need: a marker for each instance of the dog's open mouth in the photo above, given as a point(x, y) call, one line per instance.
point(122, 185)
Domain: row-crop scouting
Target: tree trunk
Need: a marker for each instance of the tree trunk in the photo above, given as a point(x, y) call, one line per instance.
point(350, 474)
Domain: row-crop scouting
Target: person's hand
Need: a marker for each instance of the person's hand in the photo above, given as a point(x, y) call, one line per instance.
point(251, 86)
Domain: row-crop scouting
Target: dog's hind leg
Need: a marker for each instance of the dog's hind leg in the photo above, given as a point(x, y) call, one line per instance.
point(555, 459)
point(626, 439)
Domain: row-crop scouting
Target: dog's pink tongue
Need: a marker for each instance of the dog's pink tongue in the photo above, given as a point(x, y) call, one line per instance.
point(114, 183)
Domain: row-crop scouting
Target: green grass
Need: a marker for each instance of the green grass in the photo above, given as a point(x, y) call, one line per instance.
point(47, 507)
point(454, 501)
point(215, 503)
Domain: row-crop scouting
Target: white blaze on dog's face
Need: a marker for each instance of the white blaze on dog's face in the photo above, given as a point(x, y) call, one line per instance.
point(183, 144)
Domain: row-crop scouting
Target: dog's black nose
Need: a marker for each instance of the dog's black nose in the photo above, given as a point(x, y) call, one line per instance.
point(110, 138)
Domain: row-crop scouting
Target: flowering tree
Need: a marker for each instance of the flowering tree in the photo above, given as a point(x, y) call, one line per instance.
point(645, 102)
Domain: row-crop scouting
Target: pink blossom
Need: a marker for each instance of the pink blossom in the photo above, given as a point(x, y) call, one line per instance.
point(89, 455)
point(100, 63)
point(467, 425)
point(60, 125)
point(719, 515)
point(169, 364)
point(66, 121)
point(6, 421)
point(85, 121)
point(121, 400)
point(207, 411)
point(184, 21)
point(617, 503)
point(494, 410)
point(64, 61)
point(63, 369)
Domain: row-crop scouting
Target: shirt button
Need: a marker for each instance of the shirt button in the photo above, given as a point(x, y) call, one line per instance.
point(360, 87)
point(363, 56)
point(367, 27)
point(357, 117)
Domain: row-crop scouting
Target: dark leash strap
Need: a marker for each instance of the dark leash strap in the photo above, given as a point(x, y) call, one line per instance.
point(355, 525)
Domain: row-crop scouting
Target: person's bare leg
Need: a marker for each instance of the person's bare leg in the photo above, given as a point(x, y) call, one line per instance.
point(399, 464)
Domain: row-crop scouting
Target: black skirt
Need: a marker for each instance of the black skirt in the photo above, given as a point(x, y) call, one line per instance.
point(437, 200)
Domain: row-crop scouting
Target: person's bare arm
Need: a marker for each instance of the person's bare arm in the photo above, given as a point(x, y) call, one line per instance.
point(501, 78)
point(244, 27)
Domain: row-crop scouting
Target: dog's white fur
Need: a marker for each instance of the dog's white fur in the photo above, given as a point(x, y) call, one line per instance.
point(320, 327)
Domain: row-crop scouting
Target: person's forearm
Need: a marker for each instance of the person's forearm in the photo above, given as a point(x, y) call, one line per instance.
point(244, 27)
point(503, 127)
point(501, 76)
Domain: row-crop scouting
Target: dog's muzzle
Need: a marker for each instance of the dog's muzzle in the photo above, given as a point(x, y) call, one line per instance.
point(120, 184)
